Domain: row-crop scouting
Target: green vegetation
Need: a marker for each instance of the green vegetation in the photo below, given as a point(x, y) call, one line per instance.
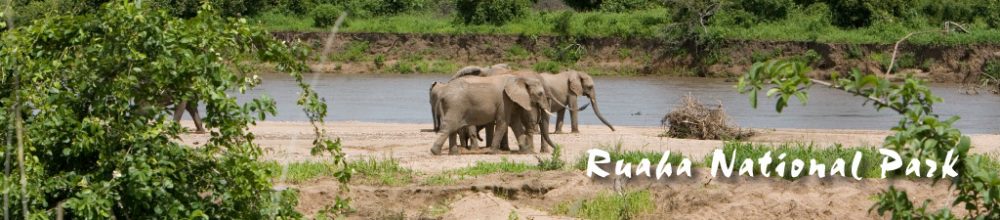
point(299, 172)
point(483, 168)
point(920, 134)
point(606, 205)
point(324, 15)
point(382, 171)
point(93, 138)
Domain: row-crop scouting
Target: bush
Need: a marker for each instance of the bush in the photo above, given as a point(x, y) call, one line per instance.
point(624, 5)
point(496, 12)
point(860, 13)
point(583, 5)
point(767, 10)
point(189, 8)
point(325, 15)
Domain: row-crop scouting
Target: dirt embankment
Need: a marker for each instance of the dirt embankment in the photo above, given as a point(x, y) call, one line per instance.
point(949, 64)
point(550, 194)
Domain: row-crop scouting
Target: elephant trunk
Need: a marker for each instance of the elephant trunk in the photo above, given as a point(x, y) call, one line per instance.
point(597, 111)
point(543, 124)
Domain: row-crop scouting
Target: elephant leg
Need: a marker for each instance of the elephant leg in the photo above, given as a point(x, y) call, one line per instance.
point(559, 120)
point(489, 134)
point(196, 117)
point(448, 131)
point(573, 119)
point(525, 142)
point(179, 109)
point(500, 132)
point(463, 138)
point(473, 135)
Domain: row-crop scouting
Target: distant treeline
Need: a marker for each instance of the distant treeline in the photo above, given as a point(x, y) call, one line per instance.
point(842, 13)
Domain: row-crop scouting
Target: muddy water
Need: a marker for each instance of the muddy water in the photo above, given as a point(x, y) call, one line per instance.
point(632, 101)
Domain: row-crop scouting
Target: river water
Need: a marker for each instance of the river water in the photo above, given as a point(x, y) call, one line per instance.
point(629, 101)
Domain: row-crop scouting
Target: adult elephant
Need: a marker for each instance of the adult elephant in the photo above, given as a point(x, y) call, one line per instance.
point(179, 107)
point(467, 137)
point(540, 121)
point(503, 100)
point(565, 87)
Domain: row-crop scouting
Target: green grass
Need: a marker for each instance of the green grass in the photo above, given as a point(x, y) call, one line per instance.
point(868, 168)
point(382, 171)
point(479, 169)
point(299, 171)
point(609, 206)
point(369, 171)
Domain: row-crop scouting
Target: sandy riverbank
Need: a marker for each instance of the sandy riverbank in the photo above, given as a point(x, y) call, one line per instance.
point(537, 195)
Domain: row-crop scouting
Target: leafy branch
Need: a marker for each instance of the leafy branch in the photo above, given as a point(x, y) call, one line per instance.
point(920, 133)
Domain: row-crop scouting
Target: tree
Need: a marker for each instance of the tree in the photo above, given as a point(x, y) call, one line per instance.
point(920, 134)
point(92, 143)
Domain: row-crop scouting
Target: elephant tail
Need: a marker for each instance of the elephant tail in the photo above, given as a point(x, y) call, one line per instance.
point(436, 115)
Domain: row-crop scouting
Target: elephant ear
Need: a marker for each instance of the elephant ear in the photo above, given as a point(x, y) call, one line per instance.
point(517, 90)
point(575, 86)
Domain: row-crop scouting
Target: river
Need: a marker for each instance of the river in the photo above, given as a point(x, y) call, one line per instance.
point(628, 101)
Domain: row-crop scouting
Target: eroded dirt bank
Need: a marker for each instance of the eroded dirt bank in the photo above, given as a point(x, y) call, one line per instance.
point(549, 194)
point(950, 64)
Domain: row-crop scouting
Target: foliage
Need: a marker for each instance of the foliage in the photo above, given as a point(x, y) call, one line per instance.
point(324, 15)
point(628, 205)
point(496, 12)
point(97, 140)
point(920, 134)
point(583, 5)
point(553, 163)
point(766, 10)
point(189, 8)
point(624, 5)
point(382, 171)
point(547, 67)
point(379, 61)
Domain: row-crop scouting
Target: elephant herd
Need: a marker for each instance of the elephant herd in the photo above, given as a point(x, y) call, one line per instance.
point(496, 98)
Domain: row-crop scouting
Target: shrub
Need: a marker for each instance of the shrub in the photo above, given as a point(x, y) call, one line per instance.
point(379, 61)
point(95, 151)
point(392, 7)
point(859, 13)
point(583, 5)
point(495, 12)
point(624, 5)
point(767, 10)
point(547, 67)
point(325, 15)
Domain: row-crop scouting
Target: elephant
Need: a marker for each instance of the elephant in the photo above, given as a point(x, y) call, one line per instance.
point(503, 69)
point(178, 109)
point(468, 137)
point(565, 87)
point(502, 100)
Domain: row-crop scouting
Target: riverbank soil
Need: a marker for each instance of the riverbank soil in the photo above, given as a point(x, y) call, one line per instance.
point(546, 195)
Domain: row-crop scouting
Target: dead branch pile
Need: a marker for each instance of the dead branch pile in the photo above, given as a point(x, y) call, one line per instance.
point(698, 121)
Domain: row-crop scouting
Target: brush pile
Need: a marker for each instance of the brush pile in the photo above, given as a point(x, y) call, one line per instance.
point(694, 120)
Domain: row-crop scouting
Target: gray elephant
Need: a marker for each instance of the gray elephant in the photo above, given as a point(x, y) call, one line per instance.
point(565, 87)
point(503, 100)
point(178, 109)
point(467, 137)
point(541, 120)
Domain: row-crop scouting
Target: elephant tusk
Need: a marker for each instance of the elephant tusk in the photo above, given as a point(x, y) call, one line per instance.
point(547, 112)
